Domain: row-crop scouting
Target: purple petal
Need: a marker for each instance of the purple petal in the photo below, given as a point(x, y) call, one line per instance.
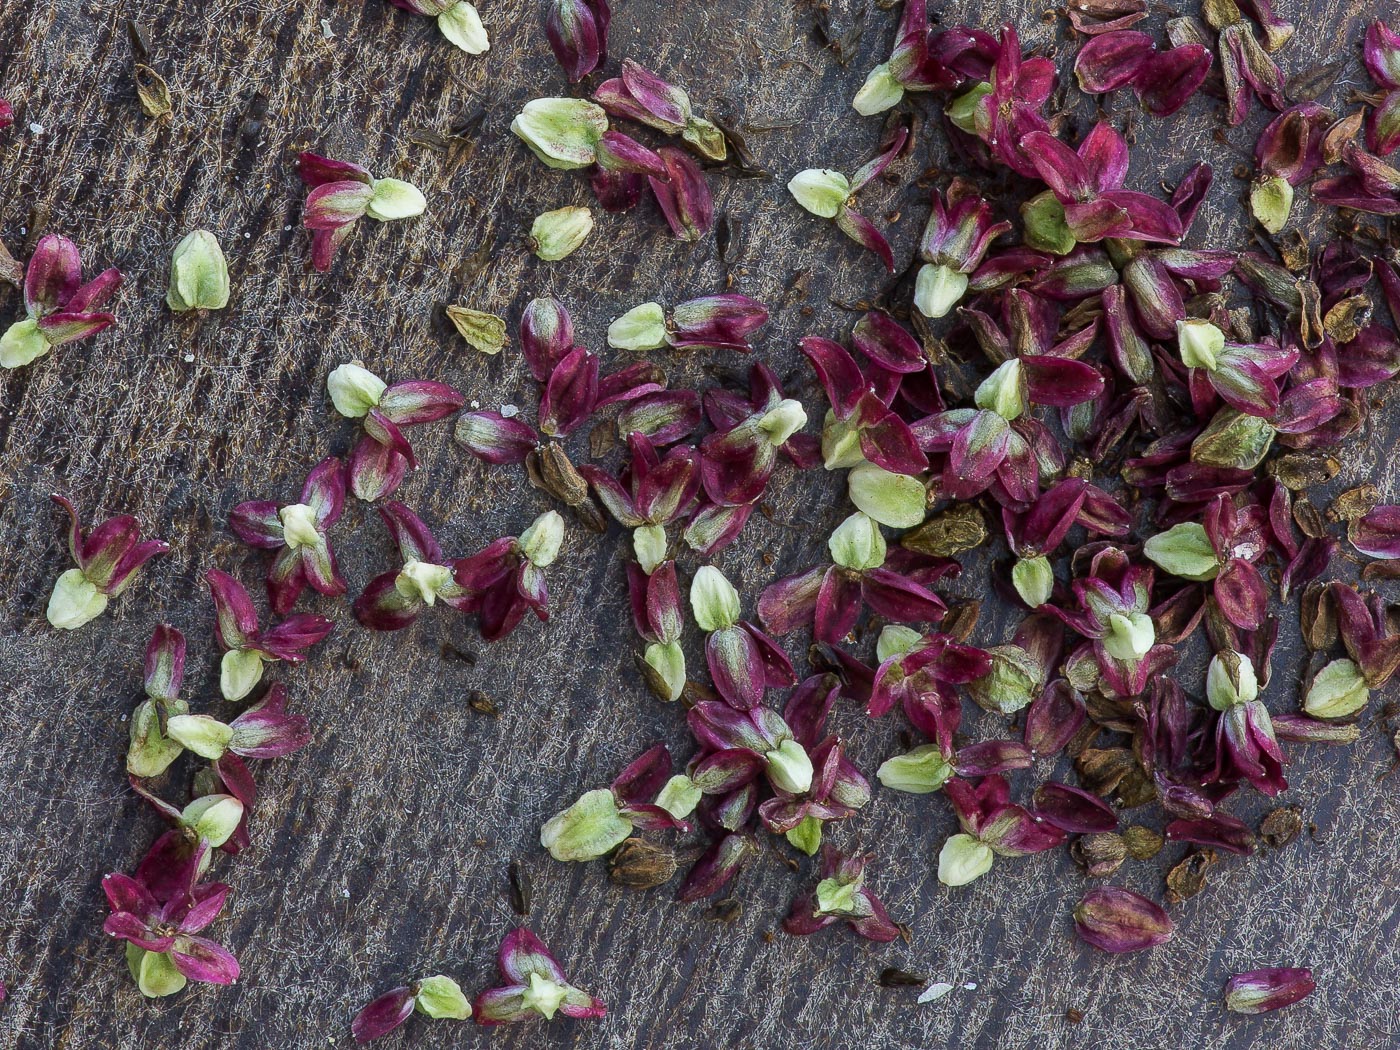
point(383, 1015)
point(1118, 920)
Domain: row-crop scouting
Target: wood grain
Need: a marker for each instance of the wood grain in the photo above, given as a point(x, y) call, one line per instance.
point(380, 852)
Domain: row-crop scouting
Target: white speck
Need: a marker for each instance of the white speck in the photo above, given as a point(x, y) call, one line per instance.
point(476, 404)
point(36, 129)
point(345, 894)
point(971, 986)
point(247, 236)
point(934, 991)
point(509, 411)
point(326, 29)
point(189, 359)
point(285, 228)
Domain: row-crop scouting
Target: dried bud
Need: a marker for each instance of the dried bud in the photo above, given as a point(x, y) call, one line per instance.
point(1188, 877)
point(918, 772)
point(640, 865)
point(562, 132)
point(857, 543)
point(483, 331)
point(1100, 854)
point(1337, 691)
point(1184, 550)
point(558, 234)
point(198, 274)
point(896, 500)
point(1143, 843)
point(640, 328)
point(1260, 991)
point(1118, 920)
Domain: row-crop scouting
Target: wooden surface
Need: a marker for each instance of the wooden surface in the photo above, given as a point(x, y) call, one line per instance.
point(380, 851)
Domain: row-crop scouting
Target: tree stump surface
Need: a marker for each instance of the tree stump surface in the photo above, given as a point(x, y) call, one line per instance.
point(380, 851)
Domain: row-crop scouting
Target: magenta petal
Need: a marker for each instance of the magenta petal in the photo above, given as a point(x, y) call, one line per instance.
point(1260, 991)
point(1073, 810)
point(837, 371)
point(316, 170)
point(789, 603)
point(993, 756)
point(235, 619)
point(899, 598)
point(68, 326)
point(571, 393)
point(419, 401)
point(861, 230)
point(1242, 595)
point(376, 470)
point(522, 954)
point(644, 776)
point(200, 959)
point(165, 663)
point(1377, 533)
point(1118, 920)
point(52, 276)
point(736, 666)
point(724, 771)
point(493, 438)
point(1059, 382)
point(577, 31)
point(685, 198)
point(546, 335)
point(720, 863)
point(881, 338)
point(1111, 60)
point(382, 608)
point(1053, 719)
point(336, 204)
point(837, 606)
point(383, 1015)
point(1167, 80)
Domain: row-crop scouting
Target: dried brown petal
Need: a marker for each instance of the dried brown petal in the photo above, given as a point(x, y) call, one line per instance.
point(1143, 843)
point(1309, 519)
point(558, 476)
point(519, 888)
point(890, 977)
point(1101, 770)
point(1354, 503)
point(957, 529)
point(482, 331)
point(1188, 878)
point(1318, 617)
point(1312, 83)
point(641, 865)
point(1340, 135)
point(1300, 470)
point(152, 92)
point(1100, 855)
point(961, 619)
point(1281, 826)
point(727, 910)
point(1346, 318)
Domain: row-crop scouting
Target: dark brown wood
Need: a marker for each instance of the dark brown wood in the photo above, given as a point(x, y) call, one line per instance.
point(381, 852)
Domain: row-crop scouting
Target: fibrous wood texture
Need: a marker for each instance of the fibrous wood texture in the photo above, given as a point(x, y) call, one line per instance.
point(380, 851)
